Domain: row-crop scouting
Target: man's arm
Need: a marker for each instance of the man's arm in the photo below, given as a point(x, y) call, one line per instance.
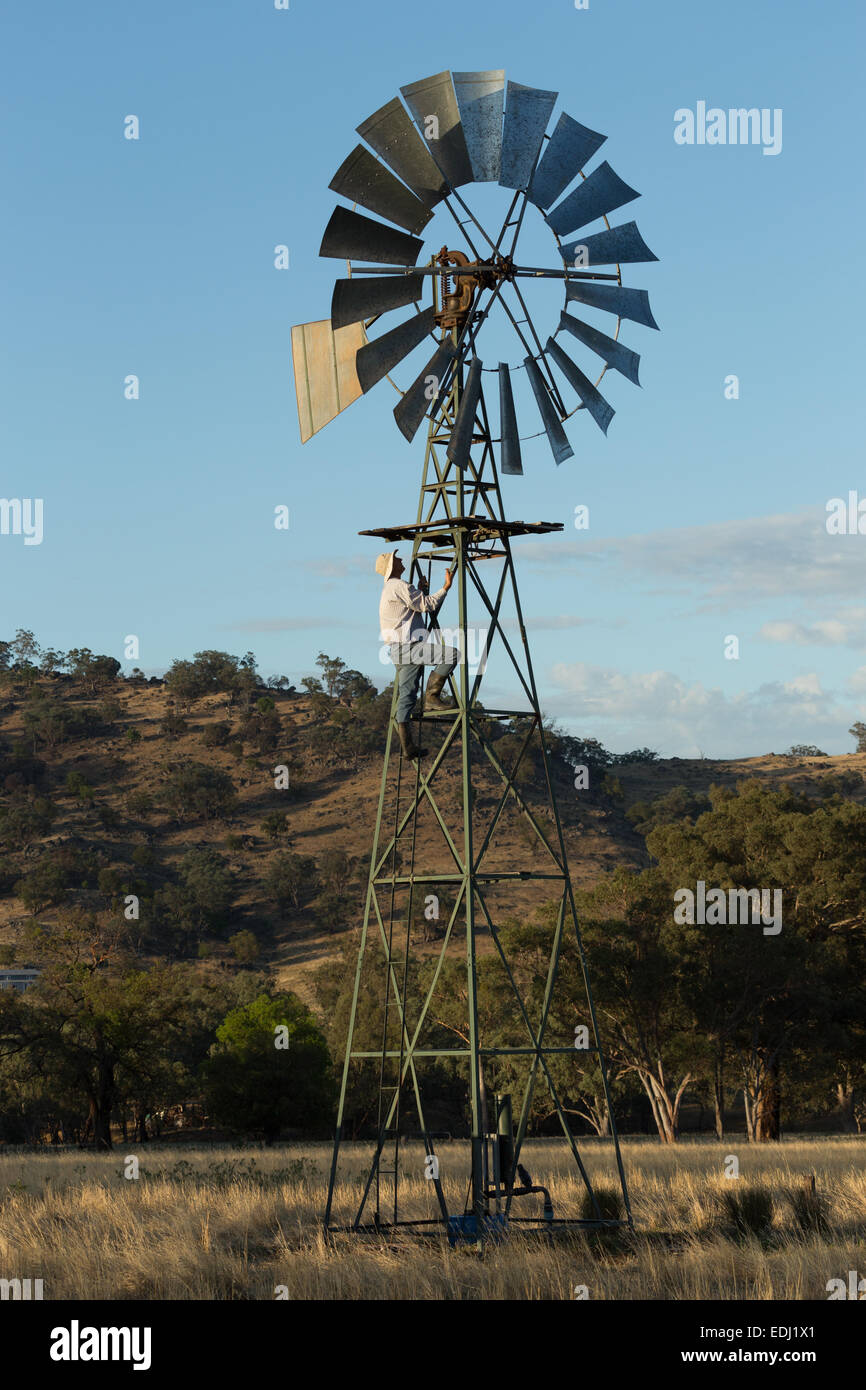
point(421, 602)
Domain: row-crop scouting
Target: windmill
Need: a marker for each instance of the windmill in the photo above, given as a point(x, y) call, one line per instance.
point(419, 155)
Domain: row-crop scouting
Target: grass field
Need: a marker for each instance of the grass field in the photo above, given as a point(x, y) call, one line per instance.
point(232, 1223)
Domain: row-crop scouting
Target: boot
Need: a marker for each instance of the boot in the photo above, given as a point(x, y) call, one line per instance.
point(432, 702)
point(407, 747)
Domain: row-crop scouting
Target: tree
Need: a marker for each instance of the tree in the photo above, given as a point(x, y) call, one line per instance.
point(269, 1069)
point(196, 790)
point(96, 1025)
point(858, 731)
point(290, 877)
point(96, 672)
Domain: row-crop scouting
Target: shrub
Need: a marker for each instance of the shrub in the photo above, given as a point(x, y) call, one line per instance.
point(609, 1201)
point(245, 947)
point(810, 1209)
point(173, 726)
point(44, 886)
point(216, 735)
point(196, 790)
point(291, 878)
point(749, 1211)
point(275, 824)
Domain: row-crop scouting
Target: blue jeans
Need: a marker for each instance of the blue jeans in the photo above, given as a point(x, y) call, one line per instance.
point(409, 659)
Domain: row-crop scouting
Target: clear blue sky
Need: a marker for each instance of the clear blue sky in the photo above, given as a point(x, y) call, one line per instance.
point(155, 257)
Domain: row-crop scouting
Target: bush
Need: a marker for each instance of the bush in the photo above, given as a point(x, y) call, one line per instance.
point(21, 825)
point(609, 1201)
point(196, 790)
point(275, 824)
point(749, 1211)
point(290, 879)
point(44, 886)
point(173, 726)
point(810, 1210)
point(139, 803)
point(245, 947)
point(216, 735)
point(79, 788)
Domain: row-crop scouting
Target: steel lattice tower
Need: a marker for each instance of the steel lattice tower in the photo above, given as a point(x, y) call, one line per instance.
point(456, 129)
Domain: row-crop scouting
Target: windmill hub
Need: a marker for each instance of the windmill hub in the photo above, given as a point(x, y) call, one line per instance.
point(459, 291)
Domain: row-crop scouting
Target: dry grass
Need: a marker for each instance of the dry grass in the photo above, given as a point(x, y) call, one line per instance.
point(235, 1224)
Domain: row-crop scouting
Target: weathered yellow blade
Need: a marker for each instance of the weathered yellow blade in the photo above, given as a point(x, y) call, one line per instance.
point(325, 377)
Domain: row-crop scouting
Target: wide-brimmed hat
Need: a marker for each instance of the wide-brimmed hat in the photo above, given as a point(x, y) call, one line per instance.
point(385, 563)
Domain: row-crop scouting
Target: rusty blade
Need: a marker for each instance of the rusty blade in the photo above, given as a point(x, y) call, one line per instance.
point(613, 299)
point(349, 236)
point(392, 135)
point(527, 111)
point(479, 96)
point(596, 196)
point(362, 179)
point(559, 444)
point(616, 246)
point(437, 115)
point(377, 358)
point(460, 442)
point(428, 385)
point(595, 403)
point(354, 300)
point(570, 147)
point(510, 440)
point(614, 353)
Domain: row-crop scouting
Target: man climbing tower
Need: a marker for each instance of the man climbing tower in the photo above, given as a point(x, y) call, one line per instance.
point(412, 646)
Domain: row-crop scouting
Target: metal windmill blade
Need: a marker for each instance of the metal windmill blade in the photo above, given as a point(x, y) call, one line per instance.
point(355, 300)
point(596, 196)
point(479, 97)
point(377, 358)
point(410, 411)
point(437, 115)
point(616, 246)
point(392, 135)
point(326, 380)
point(351, 237)
point(527, 112)
point(462, 127)
point(614, 353)
point(362, 179)
point(559, 444)
point(614, 299)
point(464, 426)
point(601, 412)
point(571, 146)
point(510, 439)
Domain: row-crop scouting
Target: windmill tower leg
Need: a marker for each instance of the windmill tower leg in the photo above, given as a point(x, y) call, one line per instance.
point(398, 867)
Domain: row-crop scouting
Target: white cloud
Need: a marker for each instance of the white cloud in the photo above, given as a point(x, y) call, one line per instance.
point(725, 561)
point(684, 719)
point(848, 630)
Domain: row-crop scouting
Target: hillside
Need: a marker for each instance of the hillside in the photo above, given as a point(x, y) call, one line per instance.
point(107, 763)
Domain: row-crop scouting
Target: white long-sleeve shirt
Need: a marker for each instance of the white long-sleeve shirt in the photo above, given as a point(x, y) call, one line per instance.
point(400, 609)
